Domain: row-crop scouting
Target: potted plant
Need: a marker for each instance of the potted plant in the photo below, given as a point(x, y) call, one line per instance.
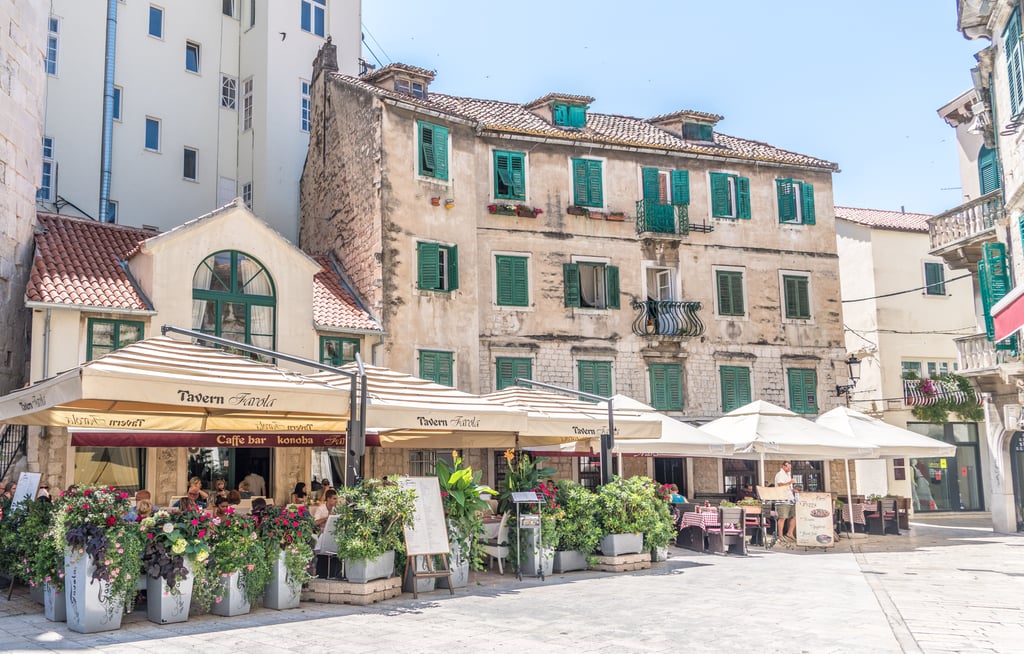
point(625, 512)
point(750, 505)
point(175, 552)
point(369, 527)
point(101, 559)
point(288, 533)
point(44, 561)
point(504, 209)
point(576, 210)
point(463, 508)
point(524, 211)
point(238, 564)
point(526, 473)
point(662, 530)
point(577, 533)
point(618, 216)
point(15, 540)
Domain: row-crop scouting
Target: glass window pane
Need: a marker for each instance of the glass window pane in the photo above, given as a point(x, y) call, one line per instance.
point(122, 467)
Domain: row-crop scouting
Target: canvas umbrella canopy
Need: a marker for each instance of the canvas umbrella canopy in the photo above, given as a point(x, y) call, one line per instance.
point(411, 412)
point(165, 385)
point(891, 441)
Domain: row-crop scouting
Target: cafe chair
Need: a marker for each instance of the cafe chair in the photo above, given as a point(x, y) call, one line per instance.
point(497, 548)
point(730, 534)
point(755, 525)
point(884, 519)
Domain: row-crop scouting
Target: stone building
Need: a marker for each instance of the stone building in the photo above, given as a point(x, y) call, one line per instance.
point(659, 258)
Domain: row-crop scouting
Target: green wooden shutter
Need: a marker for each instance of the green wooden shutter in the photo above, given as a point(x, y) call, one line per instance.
point(797, 300)
point(807, 198)
point(803, 392)
point(577, 116)
point(453, 267)
point(650, 182)
point(427, 163)
point(1014, 65)
point(560, 114)
point(595, 192)
point(680, 187)
point(994, 280)
point(735, 381)
point(428, 365)
point(934, 278)
point(444, 368)
point(611, 286)
point(427, 260)
point(512, 281)
point(509, 368)
point(666, 386)
point(595, 377)
point(502, 175)
point(579, 181)
point(743, 197)
point(520, 282)
point(787, 200)
point(743, 386)
point(988, 170)
point(721, 206)
point(440, 152)
point(571, 280)
point(517, 169)
point(730, 292)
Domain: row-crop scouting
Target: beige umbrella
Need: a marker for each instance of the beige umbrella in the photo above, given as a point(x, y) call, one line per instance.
point(161, 384)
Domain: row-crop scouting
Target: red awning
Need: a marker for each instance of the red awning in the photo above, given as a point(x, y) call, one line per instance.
point(1008, 313)
point(188, 439)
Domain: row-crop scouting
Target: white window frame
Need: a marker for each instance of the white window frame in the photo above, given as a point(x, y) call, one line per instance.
point(314, 7)
point(50, 62)
point(661, 271)
point(602, 293)
point(734, 196)
point(190, 46)
point(305, 105)
point(159, 134)
point(714, 291)
point(247, 103)
point(49, 170)
point(529, 277)
point(251, 22)
point(247, 195)
point(163, 14)
point(195, 164)
point(228, 92)
point(806, 274)
point(234, 9)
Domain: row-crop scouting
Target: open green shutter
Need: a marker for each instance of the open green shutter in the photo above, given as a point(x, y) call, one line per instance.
point(807, 198)
point(517, 170)
point(595, 192)
point(1014, 68)
point(427, 163)
point(721, 207)
point(994, 280)
point(988, 170)
point(560, 114)
point(577, 116)
point(453, 267)
point(680, 187)
point(787, 200)
point(796, 390)
point(444, 368)
point(743, 197)
point(611, 280)
point(440, 152)
point(427, 261)
point(502, 174)
point(579, 181)
point(650, 182)
point(571, 280)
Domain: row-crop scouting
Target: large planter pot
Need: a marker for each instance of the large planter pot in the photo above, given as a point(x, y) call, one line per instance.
point(87, 613)
point(569, 560)
point(459, 567)
point(55, 605)
point(619, 544)
point(36, 593)
point(234, 600)
point(360, 571)
point(424, 585)
point(164, 606)
point(282, 592)
point(537, 563)
point(659, 554)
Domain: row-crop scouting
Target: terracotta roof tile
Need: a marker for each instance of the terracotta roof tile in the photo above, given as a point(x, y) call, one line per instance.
point(510, 117)
point(895, 220)
point(334, 305)
point(77, 263)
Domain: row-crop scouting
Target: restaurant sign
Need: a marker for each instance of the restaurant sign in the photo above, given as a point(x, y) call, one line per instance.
point(187, 439)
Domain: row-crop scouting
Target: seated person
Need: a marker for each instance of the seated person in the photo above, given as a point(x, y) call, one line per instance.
point(259, 509)
point(243, 490)
point(299, 495)
point(745, 492)
point(194, 501)
point(221, 509)
point(676, 497)
point(185, 504)
point(141, 495)
point(143, 509)
point(234, 498)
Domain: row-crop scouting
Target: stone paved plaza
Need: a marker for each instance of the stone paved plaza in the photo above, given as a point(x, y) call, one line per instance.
point(949, 586)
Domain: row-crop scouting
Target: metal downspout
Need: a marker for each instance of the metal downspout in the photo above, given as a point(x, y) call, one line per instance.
point(108, 111)
point(46, 346)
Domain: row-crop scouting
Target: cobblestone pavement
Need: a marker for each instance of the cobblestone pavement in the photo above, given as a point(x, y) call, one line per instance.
point(948, 586)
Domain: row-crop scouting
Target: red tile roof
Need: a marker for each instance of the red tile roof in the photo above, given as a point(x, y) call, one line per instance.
point(334, 305)
point(77, 262)
point(895, 220)
point(513, 118)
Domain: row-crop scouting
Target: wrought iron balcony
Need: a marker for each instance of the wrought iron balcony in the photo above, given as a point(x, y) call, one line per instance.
point(957, 234)
point(667, 318)
point(653, 217)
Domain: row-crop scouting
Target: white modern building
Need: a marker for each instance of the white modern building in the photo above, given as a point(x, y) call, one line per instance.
point(159, 112)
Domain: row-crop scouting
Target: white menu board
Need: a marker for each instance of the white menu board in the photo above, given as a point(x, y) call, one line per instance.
point(814, 527)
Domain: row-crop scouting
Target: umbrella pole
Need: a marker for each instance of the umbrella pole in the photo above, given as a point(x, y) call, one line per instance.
point(620, 464)
point(849, 493)
point(763, 480)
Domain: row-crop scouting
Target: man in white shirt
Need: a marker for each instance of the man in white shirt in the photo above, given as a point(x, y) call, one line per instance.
point(320, 516)
point(257, 485)
point(786, 528)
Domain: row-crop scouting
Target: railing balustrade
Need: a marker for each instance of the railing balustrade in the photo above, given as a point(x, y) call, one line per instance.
point(978, 353)
point(967, 220)
point(667, 318)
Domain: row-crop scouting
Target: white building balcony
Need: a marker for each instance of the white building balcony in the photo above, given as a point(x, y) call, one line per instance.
point(958, 234)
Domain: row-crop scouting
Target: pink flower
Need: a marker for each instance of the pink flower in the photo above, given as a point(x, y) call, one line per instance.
point(194, 522)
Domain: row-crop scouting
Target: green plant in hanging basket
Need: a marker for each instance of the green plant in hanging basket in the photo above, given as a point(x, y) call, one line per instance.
point(947, 393)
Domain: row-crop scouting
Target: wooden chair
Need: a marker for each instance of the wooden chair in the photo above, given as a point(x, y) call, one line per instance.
point(730, 534)
point(691, 538)
point(497, 548)
point(884, 520)
point(755, 525)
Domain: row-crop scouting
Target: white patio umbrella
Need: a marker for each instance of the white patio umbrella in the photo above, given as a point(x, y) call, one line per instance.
point(891, 441)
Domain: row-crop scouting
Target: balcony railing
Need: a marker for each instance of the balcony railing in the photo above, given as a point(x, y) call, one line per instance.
point(666, 318)
point(978, 353)
point(969, 219)
point(652, 216)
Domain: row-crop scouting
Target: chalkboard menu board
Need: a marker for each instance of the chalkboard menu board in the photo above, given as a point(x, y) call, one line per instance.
point(427, 533)
point(814, 527)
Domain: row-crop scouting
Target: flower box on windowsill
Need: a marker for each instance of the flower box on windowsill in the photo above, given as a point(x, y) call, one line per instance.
point(617, 216)
point(524, 211)
point(598, 215)
point(575, 210)
point(502, 209)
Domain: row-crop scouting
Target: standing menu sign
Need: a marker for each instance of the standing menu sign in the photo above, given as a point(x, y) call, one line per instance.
point(427, 535)
point(814, 526)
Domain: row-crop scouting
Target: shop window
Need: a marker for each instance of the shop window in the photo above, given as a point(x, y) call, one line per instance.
point(121, 467)
point(737, 474)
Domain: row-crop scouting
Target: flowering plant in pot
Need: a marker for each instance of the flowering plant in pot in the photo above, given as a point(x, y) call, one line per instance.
point(289, 529)
point(171, 538)
point(460, 497)
point(236, 550)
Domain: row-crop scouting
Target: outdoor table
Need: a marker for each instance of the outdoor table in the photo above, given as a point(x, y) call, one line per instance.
point(858, 513)
point(702, 519)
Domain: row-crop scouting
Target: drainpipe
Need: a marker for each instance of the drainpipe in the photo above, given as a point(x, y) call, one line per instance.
point(46, 346)
point(108, 111)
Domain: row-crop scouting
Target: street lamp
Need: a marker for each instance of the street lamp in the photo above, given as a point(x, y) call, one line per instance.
point(854, 365)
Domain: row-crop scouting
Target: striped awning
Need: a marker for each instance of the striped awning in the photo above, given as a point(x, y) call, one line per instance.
point(926, 392)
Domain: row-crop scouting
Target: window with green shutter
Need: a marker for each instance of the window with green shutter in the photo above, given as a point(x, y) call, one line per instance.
point(512, 281)
point(508, 369)
point(1013, 49)
point(796, 202)
point(729, 284)
point(730, 196)
point(105, 336)
point(437, 267)
point(988, 170)
point(590, 285)
point(337, 350)
point(796, 297)
point(586, 183)
point(698, 132)
point(994, 281)
point(934, 278)
point(433, 148)
point(436, 366)
point(595, 377)
point(509, 175)
point(666, 386)
point(735, 381)
point(569, 115)
point(803, 390)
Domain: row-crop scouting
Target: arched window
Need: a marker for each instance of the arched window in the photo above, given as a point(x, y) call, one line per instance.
point(988, 170)
point(233, 297)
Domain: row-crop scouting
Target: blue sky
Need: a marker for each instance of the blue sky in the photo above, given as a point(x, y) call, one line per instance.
point(857, 82)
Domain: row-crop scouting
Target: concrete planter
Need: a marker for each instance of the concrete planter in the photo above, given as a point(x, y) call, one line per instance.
point(424, 585)
point(234, 600)
point(459, 566)
point(569, 560)
point(619, 544)
point(659, 554)
point(282, 593)
point(360, 571)
point(87, 613)
point(166, 606)
point(36, 593)
point(538, 563)
point(55, 604)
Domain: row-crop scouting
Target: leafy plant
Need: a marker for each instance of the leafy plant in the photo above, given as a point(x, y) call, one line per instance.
point(578, 529)
point(629, 506)
point(727, 504)
point(289, 529)
point(947, 393)
point(460, 497)
point(748, 501)
point(524, 473)
point(14, 547)
point(170, 539)
point(370, 518)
